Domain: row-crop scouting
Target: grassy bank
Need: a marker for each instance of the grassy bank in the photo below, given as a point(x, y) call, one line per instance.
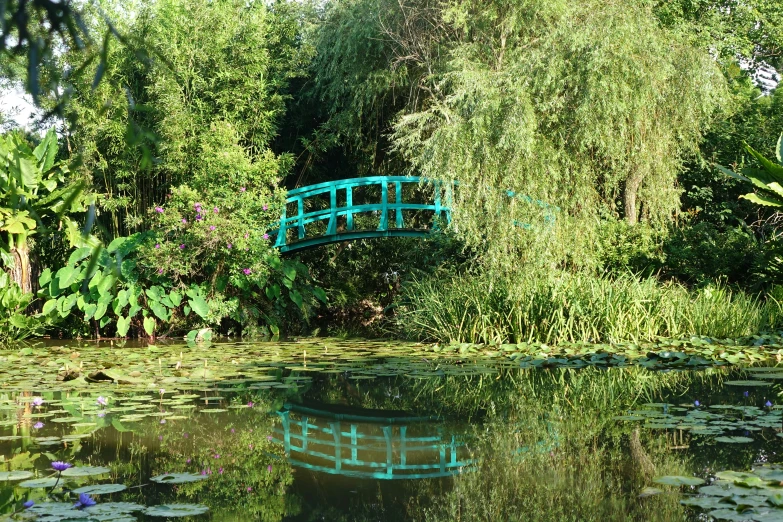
point(570, 308)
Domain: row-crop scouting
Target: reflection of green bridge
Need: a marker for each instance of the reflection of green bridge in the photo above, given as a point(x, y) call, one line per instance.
point(369, 446)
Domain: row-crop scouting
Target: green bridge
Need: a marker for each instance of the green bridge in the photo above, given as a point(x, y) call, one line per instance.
point(331, 212)
point(366, 445)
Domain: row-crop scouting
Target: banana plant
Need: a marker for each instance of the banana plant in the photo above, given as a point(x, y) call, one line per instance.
point(34, 187)
point(768, 179)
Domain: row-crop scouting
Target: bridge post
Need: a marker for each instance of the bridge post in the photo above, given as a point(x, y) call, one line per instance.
point(286, 421)
point(403, 455)
point(398, 202)
point(384, 224)
point(438, 208)
point(331, 228)
point(348, 205)
point(281, 232)
point(300, 210)
point(338, 447)
point(387, 432)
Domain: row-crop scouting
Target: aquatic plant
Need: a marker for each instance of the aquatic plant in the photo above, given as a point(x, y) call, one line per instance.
point(575, 307)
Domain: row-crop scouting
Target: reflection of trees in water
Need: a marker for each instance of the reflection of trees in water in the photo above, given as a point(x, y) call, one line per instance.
point(547, 444)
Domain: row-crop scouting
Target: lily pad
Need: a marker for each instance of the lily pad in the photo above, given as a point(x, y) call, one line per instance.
point(734, 440)
point(101, 489)
point(85, 471)
point(41, 483)
point(178, 478)
point(15, 475)
point(678, 480)
point(176, 510)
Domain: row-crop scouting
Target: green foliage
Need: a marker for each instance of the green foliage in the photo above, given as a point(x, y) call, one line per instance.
point(702, 254)
point(476, 308)
point(35, 192)
point(211, 109)
point(767, 179)
point(116, 291)
point(16, 321)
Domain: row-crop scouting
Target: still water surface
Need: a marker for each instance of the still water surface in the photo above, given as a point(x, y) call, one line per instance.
point(350, 430)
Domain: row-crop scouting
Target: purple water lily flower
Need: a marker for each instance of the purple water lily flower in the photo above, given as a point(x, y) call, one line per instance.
point(61, 466)
point(768, 404)
point(696, 403)
point(37, 401)
point(85, 500)
point(159, 210)
point(745, 394)
point(38, 425)
point(101, 414)
point(102, 401)
point(28, 504)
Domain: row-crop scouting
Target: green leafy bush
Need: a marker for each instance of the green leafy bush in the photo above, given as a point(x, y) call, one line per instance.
point(118, 295)
point(16, 323)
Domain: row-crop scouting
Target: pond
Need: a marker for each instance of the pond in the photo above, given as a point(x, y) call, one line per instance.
point(325, 429)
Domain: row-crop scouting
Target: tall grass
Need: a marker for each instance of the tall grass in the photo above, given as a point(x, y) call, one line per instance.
point(576, 307)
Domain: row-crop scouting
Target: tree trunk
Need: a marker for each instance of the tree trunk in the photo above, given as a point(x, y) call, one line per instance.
point(632, 185)
point(20, 272)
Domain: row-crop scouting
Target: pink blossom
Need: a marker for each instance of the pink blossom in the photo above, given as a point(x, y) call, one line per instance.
point(269, 437)
point(228, 246)
point(247, 271)
point(265, 207)
point(269, 468)
point(182, 246)
point(215, 210)
point(266, 236)
point(157, 245)
point(242, 189)
point(184, 220)
point(212, 227)
point(249, 489)
point(160, 270)
point(159, 210)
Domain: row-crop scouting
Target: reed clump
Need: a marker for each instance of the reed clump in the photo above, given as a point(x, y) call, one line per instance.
point(476, 308)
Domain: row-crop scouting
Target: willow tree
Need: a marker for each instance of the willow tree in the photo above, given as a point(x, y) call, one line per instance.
point(584, 109)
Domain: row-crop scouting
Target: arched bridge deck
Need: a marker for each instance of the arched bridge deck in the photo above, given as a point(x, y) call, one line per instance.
point(369, 447)
point(341, 197)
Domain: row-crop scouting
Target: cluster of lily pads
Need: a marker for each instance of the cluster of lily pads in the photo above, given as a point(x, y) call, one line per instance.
point(720, 421)
point(696, 352)
point(85, 506)
point(755, 496)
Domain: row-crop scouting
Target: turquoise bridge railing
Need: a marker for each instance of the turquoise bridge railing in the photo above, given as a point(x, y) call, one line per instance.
point(369, 447)
point(343, 191)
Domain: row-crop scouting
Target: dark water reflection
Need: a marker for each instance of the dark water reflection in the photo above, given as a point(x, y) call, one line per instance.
point(397, 436)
